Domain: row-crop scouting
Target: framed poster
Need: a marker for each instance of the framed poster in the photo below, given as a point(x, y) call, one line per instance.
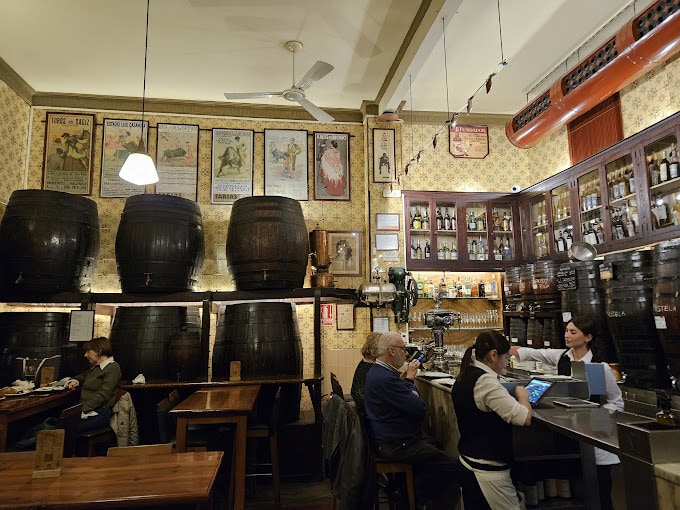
point(232, 165)
point(331, 166)
point(120, 139)
point(68, 152)
point(385, 242)
point(344, 248)
point(471, 142)
point(344, 316)
point(285, 163)
point(385, 221)
point(177, 160)
point(384, 159)
point(81, 327)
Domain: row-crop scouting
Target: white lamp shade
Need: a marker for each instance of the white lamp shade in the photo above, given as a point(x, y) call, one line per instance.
point(139, 169)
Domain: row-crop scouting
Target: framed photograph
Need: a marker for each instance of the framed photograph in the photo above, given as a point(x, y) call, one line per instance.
point(331, 166)
point(384, 159)
point(232, 165)
point(285, 163)
point(386, 242)
point(177, 160)
point(384, 221)
point(344, 248)
point(344, 316)
point(120, 139)
point(68, 152)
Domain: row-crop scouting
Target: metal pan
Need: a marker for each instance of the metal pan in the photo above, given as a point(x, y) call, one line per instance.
point(582, 251)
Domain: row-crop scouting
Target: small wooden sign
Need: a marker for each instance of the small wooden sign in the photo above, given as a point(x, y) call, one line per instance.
point(49, 453)
point(235, 371)
point(46, 376)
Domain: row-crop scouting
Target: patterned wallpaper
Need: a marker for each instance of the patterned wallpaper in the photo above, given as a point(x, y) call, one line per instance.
point(13, 135)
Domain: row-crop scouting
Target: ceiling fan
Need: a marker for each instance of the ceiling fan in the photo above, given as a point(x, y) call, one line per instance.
point(297, 91)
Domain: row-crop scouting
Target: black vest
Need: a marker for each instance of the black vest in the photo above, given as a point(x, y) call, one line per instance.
point(483, 435)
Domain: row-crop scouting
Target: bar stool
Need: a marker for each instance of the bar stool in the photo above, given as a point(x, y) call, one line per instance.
point(384, 467)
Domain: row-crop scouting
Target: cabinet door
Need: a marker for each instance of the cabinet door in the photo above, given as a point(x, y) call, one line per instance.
point(663, 183)
point(418, 215)
point(623, 220)
point(590, 205)
point(446, 230)
point(562, 222)
point(477, 234)
point(502, 245)
point(540, 232)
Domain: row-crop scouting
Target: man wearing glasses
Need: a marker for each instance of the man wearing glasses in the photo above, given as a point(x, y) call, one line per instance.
point(396, 414)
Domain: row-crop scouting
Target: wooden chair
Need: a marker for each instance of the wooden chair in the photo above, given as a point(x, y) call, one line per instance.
point(69, 419)
point(145, 449)
point(383, 467)
point(270, 431)
point(95, 437)
point(336, 387)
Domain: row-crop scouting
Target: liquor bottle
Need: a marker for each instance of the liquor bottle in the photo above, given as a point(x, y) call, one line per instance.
point(439, 220)
point(472, 222)
point(468, 287)
point(459, 288)
point(419, 287)
point(544, 217)
point(507, 250)
point(413, 249)
point(495, 220)
point(568, 239)
point(561, 243)
point(453, 220)
point(661, 211)
point(566, 206)
point(481, 288)
point(599, 231)
point(483, 248)
point(417, 220)
point(443, 289)
point(673, 170)
point(630, 227)
point(419, 251)
point(454, 252)
point(472, 251)
point(499, 250)
point(631, 179)
point(663, 168)
point(653, 169)
point(582, 195)
point(624, 188)
point(474, 290)
point(428, 252)
point(447, 220)
point(426, 288)
point(494, 287)
point(440, 252)
point(481, 223)
point(447, 251)
point(613, 190)
point(676, 213)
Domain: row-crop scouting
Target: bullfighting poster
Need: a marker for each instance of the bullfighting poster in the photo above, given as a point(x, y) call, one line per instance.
point(232, 165)
point(177, 160)
point(285, 163)
point(331, 166)
point(120, 139)
point(68, 152)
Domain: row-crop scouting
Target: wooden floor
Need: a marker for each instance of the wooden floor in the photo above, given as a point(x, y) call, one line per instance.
point(294, 496)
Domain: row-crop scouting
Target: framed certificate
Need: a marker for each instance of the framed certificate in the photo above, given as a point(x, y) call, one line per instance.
point(344, 316)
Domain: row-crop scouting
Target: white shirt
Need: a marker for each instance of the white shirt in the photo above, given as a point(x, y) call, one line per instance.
point(491, 396)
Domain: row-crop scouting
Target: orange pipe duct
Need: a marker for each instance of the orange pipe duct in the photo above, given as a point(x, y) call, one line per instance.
point(643, 43)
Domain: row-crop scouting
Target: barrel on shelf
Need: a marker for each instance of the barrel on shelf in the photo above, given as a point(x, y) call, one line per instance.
point(265, 339)
point(267, 243)
point(49, 242)
point(526, 289)
point(544, 284)
point(160, 244)
point(184, 356)
point(511, 288)
point(666, 302)
point(518, 331)
point(630, 318)
point(140, 336)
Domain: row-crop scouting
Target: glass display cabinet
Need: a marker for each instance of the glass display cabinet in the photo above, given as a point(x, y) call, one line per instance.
point(624, 220)
point(661, 157)
point(476, 230)
point(562, 224)
point(446, 229)
point(540, 237)
point(590, 204)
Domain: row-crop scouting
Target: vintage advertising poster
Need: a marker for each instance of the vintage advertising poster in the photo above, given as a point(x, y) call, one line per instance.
point(68, 152)
point(232, 165)
point(471, 142)
point(384, 159)
point(121, 138)
point(177, 160)
point(285, 163)
point(331, 166)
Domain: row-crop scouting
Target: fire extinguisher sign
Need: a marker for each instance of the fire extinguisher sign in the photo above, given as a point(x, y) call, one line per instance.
point(327, 314)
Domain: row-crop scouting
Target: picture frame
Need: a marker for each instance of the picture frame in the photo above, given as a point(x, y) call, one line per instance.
point(386, 242)
point(331, 166)
point(469, 142)
point(231, 174)
point(69, 149)
point(387, 221)
point(286, 170)
point(380, 324)
point(120, 138)
point(177, 160)
point(345, 247)
point(384, 155)
point(81, 325)
point(344, 316)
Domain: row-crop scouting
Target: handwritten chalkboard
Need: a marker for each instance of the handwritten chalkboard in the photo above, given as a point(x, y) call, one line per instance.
point(566, 278)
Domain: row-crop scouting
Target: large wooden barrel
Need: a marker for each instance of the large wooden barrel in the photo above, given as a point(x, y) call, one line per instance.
point(37, 335)
point(49, 242)
point(667, 301)
point(630, 318)
point(140, 336)
point(184, 356)
point(267, 243)
point(544, 284)
point(526, 289)
point(265, 339)
point(160, 244)
point(511, 288)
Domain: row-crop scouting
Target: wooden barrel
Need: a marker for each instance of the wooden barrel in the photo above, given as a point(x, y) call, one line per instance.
point(511, 287)
point(630, 319)
point(544, 284)
point(526, 289)
point(667, 301)
point(267, 243)
point(140, 336)
point(265, 339)
point(160, 244)
point(518, 331)
point(37, 335)
point(49, 242)
point(535, 333)
point(184, 356)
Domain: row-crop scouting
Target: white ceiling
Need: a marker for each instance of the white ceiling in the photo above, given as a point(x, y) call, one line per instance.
point(198, 49)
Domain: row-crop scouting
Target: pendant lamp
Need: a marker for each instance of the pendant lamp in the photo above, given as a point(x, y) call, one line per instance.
point(139, 168)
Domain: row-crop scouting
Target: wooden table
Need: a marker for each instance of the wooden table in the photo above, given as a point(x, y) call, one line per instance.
point(110, 482)
point(16, 408)
point(220, 405)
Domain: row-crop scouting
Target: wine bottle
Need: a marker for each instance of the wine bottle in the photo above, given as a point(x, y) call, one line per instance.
point(414, 253)
point(454, 252)
point(663, 168)
point(631, 179)
point(447, 251)
point(653, 169)
point(439, 220)
point(440, 252)
point(481, 288)
point(417, 220)
point(472, 223)
point(472, 251)
point(561, 243)
point(673, 170)
point(428, 253)
point(568, 239)
point(419, 251)
point(447, 220)
point(426, 220)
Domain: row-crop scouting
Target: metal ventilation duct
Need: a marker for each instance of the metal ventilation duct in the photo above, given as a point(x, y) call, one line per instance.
point(643, 43)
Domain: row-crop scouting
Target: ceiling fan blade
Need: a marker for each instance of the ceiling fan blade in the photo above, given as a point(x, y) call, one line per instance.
point(316, 112)
point(315, 73)
point(251, 95)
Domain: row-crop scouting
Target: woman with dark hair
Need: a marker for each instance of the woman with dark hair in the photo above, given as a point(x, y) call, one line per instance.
point(578, 337)
point(486, 412)
point(98, 384)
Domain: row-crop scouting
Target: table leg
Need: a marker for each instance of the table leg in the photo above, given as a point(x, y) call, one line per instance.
point(589, 474)
point(240, 462)
point(181, 435)
point(3, 433)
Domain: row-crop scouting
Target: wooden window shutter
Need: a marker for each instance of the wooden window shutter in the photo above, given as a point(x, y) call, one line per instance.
point(595, 130)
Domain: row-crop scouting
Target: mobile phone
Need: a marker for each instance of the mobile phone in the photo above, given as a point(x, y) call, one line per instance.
point(421, 357)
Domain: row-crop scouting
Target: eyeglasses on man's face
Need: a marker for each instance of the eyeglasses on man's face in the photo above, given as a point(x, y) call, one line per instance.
point(402, 347)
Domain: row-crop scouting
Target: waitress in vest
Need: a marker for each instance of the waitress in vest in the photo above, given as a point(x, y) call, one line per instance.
point(486, 413)
point(578, 337)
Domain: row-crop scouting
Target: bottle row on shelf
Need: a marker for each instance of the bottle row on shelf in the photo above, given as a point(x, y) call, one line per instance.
point(661, 169)
point(476, 220)
point(460, 287)
point(477, 249)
